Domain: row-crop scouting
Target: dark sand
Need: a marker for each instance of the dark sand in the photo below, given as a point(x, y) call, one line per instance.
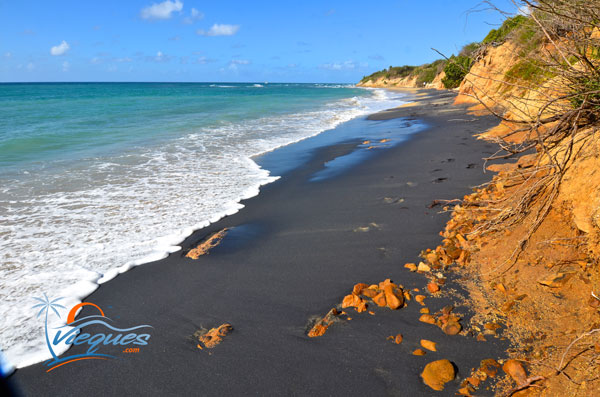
point(293, 255)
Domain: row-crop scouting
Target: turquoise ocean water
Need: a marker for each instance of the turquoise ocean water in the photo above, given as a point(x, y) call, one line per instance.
point(96, 178)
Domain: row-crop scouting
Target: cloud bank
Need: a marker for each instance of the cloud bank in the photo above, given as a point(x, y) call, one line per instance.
point(60, 49)
point(220, 30)
point(161, 10)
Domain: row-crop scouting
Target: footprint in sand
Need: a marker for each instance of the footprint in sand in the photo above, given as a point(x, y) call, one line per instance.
point(393, 200)
point(363, 229)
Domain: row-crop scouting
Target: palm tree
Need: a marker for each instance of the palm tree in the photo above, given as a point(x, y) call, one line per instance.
point(45, 305)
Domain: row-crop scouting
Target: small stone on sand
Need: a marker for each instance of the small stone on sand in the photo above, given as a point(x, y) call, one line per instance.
point(429, 345)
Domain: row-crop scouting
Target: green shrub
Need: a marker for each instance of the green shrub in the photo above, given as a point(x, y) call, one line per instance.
point(456, 69)
point(499, 35)
point(426, 73)
point(469, 49)
point(528, 71)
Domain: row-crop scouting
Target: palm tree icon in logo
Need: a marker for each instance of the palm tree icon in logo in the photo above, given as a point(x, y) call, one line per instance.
point(46, 304)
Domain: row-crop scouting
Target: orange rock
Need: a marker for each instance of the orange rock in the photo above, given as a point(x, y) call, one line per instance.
point(204, 247)
point(214, 336)
point(489, 366)
point(463, 259)
point(481, 338)
point(362, 306)
point(358, 288)
point(398, 339)
point(369, 293)
point(516, 371)
point(419, 352)
point(420, 299)
point(348, 301)
point(433, 287)
point(429, 345)
point(432, 258)
point(379, 299)
point(394, 301)
point(451, 328)
point(371, 313)
point(407, 296)
point(317, 330)
point(437, 373)
point(411, 266)
point(321, 326)
point(385, 282)
point(474, 381)
point(492, 326)
point(424, 310)
point(427, 318)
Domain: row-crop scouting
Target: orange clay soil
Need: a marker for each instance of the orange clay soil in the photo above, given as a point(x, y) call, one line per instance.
point(540, 285)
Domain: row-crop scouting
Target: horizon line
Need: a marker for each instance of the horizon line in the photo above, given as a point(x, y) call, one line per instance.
point(167, 82)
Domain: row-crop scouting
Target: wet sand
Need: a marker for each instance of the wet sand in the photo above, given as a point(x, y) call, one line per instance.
point(292, 254)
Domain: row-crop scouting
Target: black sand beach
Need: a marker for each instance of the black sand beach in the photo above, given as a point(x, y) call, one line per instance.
point(294, 252)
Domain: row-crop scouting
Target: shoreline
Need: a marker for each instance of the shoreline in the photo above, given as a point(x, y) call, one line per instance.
point(155, 246)
point(310, 232)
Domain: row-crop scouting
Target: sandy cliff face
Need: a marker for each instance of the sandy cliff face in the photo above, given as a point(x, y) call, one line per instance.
point(404, 82)
point(382, 82)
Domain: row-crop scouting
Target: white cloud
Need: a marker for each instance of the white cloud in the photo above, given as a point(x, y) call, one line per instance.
point(60, 49)
point(203, 60)
point(126, 59)
point(161, 10)
point(347, 65)
point(30, 66)
point(65, 66)
point(220, 30)
point(233, 64)
point(95, 60)
point(159, 57)
point(7, 55)
point(195, 15)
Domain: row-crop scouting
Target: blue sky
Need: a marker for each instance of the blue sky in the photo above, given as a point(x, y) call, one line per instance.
point(191, 40)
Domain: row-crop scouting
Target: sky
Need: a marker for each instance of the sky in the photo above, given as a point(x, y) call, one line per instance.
point(230, 41)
